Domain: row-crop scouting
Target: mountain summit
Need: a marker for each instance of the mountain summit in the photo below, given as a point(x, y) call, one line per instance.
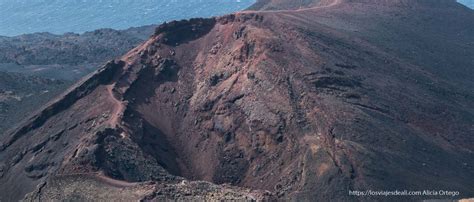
point(305, 104)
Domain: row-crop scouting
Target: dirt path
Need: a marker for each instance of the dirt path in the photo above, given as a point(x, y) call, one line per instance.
point(102, 178)
point(113, 182)
point(119, 107)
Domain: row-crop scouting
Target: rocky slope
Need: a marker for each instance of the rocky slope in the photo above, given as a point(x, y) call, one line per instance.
point(34, 68)
point(21, 96)
point(302, 104)
point(69, 56)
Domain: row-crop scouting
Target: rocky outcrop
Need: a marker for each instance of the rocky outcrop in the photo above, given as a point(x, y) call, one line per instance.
point(94, 188)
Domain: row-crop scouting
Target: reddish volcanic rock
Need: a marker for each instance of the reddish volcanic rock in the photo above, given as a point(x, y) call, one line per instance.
point(306, 104)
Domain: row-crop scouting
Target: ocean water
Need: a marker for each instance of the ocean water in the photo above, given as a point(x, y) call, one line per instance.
point(468, 3)
point(60, 16)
